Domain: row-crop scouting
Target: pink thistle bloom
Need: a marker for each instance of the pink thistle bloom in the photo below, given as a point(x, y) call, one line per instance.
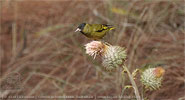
point(95, 48)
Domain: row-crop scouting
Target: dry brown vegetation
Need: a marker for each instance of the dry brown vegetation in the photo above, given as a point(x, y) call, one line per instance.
point(38, 42)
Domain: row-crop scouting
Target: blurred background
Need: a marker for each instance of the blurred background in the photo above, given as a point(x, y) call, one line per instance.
point(38, 44)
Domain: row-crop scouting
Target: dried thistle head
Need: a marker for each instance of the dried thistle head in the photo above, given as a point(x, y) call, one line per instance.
point(151, 78)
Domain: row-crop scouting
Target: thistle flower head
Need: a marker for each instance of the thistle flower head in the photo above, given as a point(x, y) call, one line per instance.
point(151, 78)
point(95, 48)
point(112, 56)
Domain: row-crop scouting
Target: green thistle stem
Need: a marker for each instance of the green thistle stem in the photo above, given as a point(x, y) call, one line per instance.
point(138, 97)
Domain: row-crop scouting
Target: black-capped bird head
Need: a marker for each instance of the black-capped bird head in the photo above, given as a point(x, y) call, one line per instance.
point(80, 27)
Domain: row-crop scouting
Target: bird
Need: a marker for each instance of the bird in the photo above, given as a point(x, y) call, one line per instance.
point(94, 31)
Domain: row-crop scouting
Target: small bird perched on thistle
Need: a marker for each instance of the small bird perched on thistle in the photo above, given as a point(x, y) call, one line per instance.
point(94, 31)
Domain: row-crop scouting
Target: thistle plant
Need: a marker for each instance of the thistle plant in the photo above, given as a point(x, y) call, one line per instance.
point(114, 56)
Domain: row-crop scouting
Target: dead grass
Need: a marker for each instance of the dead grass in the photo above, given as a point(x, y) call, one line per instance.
point(38, 41)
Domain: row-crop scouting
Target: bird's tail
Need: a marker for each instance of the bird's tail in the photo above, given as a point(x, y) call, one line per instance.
point(110, 27)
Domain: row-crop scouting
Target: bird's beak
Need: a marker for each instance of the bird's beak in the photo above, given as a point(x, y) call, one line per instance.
point(78, 30)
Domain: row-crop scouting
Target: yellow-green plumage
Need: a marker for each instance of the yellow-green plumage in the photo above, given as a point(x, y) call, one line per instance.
point(95, 31)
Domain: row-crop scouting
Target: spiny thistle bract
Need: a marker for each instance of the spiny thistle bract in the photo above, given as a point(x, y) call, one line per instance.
point(112, 56)
point(151, 78)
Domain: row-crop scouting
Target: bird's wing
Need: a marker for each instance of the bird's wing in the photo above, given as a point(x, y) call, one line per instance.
point(102, 28)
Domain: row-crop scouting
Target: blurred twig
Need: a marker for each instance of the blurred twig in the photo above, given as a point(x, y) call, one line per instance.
point(14, 40)
point(23, 45)
point(14, 32)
